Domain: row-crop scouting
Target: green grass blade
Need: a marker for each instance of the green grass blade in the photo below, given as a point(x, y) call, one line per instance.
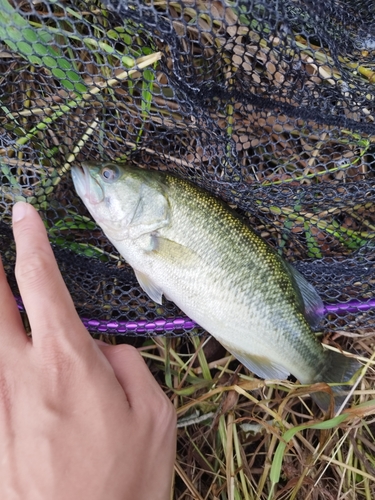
point(202, 358)
point(275, 471)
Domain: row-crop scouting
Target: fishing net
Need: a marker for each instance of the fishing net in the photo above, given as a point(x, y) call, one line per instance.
point(267, 104)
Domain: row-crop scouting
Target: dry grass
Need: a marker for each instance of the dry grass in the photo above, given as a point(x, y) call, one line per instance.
point(244, 438)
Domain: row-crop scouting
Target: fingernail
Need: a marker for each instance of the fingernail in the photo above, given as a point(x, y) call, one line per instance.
point(19, 211)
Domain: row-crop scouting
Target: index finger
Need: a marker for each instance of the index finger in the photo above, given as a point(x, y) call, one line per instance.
point(44, 293)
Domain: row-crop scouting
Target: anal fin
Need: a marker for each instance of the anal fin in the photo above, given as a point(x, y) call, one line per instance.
point(261, 366)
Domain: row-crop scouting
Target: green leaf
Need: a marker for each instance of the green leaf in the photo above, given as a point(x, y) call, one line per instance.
point(127, 39)
point(32, 43)
point(107, 48)
point(58, 73)
point(127, 61)
point(30, 35)
point(147, 51)
point(13, 33)
point(63, 63)
point(40, 49)
point(25, 48)
point(80, 88)
point(12, 45)
point(112, 34)
point(67, 84)
point(49, 61)
point(73, 76)
point(35, 60)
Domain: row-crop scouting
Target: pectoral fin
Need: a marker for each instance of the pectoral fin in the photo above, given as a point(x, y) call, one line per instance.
point(153, 291)
point(261, 366)
point(175, 253)
point(151, 213)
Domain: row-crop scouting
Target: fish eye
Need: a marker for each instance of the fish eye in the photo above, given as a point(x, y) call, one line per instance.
point(109, 174)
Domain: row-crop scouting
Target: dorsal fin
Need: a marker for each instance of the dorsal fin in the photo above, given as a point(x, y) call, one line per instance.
point(311, 304)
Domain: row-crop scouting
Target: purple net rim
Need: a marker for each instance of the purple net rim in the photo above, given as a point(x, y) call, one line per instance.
point(159, 326)
point(164, 325)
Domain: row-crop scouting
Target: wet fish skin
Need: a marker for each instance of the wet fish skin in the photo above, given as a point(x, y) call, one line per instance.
point(184, 243)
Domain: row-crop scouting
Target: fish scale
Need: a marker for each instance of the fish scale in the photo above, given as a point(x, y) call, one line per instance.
point(187, 245)
point(244, 261)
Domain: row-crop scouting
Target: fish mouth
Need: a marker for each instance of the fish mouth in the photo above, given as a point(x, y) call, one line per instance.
point(86, 185)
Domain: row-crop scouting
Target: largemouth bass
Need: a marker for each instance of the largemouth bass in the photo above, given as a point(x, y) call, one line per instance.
point(185, 244)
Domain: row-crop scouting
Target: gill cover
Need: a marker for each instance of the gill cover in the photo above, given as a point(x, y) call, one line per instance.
point(126, 202)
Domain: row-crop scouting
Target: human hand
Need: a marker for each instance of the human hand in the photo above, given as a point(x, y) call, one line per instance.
point(77, 420)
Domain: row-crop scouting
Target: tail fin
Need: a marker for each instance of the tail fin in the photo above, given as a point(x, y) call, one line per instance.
point(338, 368)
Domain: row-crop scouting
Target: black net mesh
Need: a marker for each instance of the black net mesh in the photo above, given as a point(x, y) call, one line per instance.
point(267, 104)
